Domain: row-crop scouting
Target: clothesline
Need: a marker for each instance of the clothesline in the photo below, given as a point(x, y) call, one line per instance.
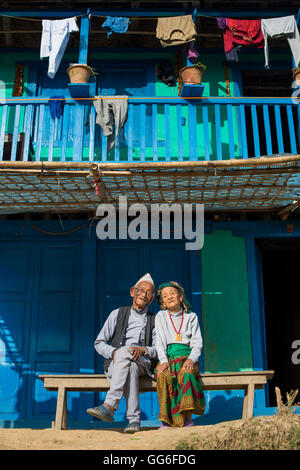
point(173, 31)
point(148, 33)
point(126, 97)
point(131, 18)
point(31, 19)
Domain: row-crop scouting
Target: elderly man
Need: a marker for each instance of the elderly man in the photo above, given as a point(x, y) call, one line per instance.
point(130, 354)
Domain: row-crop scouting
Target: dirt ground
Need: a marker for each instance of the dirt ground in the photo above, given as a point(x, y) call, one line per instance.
point(105, 439)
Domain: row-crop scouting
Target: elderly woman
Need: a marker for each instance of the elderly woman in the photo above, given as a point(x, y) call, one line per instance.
point(178, 345)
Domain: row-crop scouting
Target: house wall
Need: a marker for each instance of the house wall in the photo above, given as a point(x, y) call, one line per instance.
point(213, 80)
point(57, 290)
point(56, 297)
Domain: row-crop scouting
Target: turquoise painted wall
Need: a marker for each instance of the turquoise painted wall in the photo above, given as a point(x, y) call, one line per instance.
point(214, 81)
point(7, 76)
point(214, 85)
point(225, 304)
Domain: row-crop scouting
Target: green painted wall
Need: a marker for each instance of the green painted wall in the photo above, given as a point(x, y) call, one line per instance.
point(214, 81)
point(214, 85)
point(225, 304)
point(7, 76)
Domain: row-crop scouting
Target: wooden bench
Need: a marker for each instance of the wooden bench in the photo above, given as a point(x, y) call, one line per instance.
point(247, 381)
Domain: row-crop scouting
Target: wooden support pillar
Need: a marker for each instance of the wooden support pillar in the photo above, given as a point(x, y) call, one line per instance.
point(84, 38)
point(79, 108)
point(248, 401)
point(61, 409)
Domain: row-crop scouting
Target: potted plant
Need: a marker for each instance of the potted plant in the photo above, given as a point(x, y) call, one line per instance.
point(80, 73)
point(192, 74)
point(296, 75)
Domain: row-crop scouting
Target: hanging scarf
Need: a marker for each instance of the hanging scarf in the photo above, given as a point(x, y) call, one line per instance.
point(187, 308)
point(56, 106)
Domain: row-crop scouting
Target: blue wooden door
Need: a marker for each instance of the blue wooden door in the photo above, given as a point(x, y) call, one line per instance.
point(15, 316)
point(120, 265)
point(124, 78)
point(39, 325)
point(132, 80)
point(54, 345)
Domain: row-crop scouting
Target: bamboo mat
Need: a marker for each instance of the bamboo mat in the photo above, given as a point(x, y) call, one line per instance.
point(260, 184)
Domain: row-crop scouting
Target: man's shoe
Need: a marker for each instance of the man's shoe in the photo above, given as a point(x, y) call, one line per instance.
point(101, 412)
point(132, 427)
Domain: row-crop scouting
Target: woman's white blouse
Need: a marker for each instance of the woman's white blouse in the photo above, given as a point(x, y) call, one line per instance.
point(165, 333)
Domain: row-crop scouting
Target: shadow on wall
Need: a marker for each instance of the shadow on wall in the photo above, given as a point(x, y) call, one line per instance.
point(220, 409)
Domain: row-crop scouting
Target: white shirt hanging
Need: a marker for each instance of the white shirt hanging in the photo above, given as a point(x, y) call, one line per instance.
point(285, 26)
point(55, 37)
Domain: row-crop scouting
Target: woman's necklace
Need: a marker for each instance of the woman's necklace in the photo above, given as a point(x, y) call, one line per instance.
point(177, 335)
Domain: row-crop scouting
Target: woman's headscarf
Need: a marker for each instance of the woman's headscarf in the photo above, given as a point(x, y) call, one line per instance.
point(187, 308)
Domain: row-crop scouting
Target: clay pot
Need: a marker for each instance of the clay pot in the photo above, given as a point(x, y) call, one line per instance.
point(296, 75)
point(79, 73)
point(191, 74)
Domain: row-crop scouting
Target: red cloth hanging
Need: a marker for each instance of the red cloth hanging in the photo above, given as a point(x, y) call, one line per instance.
point(244, 32)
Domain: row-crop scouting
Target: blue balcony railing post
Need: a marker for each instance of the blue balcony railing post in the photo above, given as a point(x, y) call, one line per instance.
point(267, 129)
point(255, 130)
point(156, 129)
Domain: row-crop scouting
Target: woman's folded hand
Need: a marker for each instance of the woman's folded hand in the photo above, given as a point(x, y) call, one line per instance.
point(162, 367)
point(188, 364)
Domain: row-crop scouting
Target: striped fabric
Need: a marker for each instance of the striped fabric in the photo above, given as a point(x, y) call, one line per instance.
point(180, 392)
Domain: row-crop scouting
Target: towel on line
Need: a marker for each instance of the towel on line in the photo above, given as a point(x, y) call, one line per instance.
point(115, 24)
point(176, 30)
point(111, 113)
point(284, 26)
point(239, 33)
point(55, 37)
point(243, 32)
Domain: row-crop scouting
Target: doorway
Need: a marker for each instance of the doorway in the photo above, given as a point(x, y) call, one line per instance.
point(119, 265)
point(280, 269)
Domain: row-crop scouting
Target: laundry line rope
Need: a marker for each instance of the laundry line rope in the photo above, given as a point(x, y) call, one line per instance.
point(34, 19)
point(131, 18)
point(104, 97)
point(99, 16)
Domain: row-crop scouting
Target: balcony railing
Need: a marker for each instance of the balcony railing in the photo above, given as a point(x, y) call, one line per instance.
point(157, 129)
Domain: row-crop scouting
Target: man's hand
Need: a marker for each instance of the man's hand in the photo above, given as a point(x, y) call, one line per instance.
point(137, 352)
point(162, 367)
point(113, 354)
point(188, 364)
